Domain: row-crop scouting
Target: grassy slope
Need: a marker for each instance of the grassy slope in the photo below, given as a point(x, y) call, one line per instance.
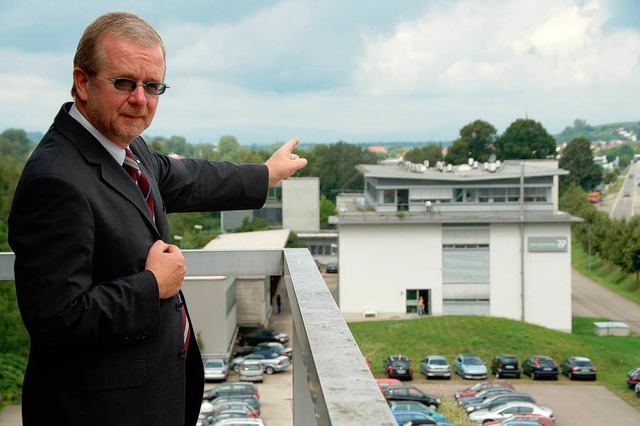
point(486, 336)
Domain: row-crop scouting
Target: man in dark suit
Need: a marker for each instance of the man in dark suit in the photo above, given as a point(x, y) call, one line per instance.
point(98, 285)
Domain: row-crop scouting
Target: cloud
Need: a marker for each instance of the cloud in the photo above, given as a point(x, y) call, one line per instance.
point(537, 53)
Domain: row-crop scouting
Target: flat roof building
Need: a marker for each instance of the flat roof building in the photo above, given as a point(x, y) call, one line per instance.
point(475, 239)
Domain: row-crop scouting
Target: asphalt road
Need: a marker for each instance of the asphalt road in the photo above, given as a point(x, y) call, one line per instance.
point(590, 299)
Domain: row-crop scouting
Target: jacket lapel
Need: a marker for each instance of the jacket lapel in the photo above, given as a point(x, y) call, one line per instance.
point(111, 172)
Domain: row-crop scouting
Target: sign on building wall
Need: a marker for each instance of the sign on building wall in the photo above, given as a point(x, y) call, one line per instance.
point(547, 244)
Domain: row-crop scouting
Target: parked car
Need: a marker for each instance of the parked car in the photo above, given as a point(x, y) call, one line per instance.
point(495, 400)
point(276, 347)
point(271, 361)
point(522, 420)
point(240, 422)
point(637, 389)
point(578, 367)
point(415, 406)
point(228, 414)
point(231, 388)
point(540, 366)
point(470, 366)
point(383, 384)
point(216, 369)
point(252, 400)
point(397, 367)
point(264, 335)
point(504, 411)
point(224, 405)
point(411, 393)
point(250, 371)
point(435, 366)
point(633, 377)
point(505, 365)
point(483, 395)
point(472, 390)
point(416, 417)
point(332, 268)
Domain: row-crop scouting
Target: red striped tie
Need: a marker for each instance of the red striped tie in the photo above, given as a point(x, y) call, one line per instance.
point(132, 167)
point(185, 323)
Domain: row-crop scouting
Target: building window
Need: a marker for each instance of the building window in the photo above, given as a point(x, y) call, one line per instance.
point(389, 196)
point(321, 249)
point(513, 195)
point(536, 195)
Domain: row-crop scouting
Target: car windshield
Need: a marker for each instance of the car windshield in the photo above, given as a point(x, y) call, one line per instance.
point(472, 361)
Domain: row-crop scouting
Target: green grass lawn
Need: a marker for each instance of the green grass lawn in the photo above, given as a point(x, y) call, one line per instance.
point(486, 336)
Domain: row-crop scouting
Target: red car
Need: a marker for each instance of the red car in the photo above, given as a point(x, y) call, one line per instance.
point(471, 391)
point(517, 418)
point(385, 383)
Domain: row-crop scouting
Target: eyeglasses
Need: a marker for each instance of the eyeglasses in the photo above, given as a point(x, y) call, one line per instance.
point(128, 85)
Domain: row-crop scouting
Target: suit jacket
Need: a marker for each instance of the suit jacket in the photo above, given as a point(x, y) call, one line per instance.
point(105, 350)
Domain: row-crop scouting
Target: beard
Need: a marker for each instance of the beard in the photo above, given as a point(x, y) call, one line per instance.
point(122, 126)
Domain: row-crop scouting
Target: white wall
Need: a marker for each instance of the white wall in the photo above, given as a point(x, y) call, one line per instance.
point(206, 299)
point(548, 281)
point(379, 262)
point(301, 204)
point(504, 249)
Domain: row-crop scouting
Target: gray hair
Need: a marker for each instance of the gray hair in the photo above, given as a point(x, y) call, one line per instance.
point(122, 25)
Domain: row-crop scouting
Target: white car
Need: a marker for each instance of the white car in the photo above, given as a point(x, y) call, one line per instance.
point(508, 409)
point(216, 369)
point(250, 371)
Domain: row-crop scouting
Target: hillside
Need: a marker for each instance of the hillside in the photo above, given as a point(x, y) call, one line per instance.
point(624, 131)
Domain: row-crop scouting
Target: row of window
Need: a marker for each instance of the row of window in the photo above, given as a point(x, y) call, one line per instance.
point(465, 195)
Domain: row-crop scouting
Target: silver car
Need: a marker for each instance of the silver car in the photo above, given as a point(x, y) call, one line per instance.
point(250, 371)
point(271, 361)
point(216, 369)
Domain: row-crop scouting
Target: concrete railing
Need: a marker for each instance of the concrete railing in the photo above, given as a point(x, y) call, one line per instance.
point(332, 384)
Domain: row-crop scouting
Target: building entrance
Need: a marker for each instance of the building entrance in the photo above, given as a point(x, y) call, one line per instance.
point(412, 300)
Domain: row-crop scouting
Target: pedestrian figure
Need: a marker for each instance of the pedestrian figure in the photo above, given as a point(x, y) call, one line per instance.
point(279, 303)
point(420, 306)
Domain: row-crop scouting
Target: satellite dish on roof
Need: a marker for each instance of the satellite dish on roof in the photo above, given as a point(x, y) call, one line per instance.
point(492, 158)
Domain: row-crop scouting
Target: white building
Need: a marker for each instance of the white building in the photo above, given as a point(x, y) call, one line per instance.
point(481, 239)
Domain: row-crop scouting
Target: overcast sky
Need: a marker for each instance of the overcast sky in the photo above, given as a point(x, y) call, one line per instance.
point(352, 70)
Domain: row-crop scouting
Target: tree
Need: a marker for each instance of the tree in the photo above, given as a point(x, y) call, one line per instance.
point(335, 166)
point(578, 159)
point(631, 251)
point(526, 139)
point(477, 140)
point(327, 208)
point(227, 145)
point(431, 153)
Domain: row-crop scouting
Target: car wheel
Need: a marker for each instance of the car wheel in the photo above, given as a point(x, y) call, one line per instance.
point(518, 376)
point(269, 370)
point(236, 368)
